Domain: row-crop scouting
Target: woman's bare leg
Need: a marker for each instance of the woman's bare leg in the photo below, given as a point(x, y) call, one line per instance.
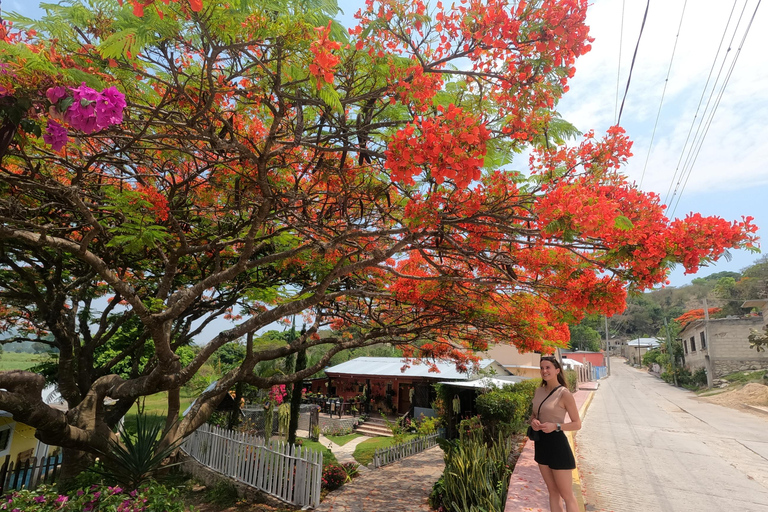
point(564, 481)
point(555, 501)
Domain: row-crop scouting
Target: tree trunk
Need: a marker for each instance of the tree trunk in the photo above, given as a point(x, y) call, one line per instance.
point(73, 463)
point(293, 425)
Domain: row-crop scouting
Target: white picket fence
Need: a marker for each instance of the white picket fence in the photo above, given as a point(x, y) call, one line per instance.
point(384, 456)
point(288, 472)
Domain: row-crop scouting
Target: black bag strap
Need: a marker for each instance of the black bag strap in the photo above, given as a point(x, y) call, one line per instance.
point(542, 402)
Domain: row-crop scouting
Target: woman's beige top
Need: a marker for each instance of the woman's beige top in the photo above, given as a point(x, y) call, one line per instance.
point(553, 410)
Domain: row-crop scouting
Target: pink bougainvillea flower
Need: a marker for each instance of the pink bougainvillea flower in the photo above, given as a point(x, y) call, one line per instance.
point(55, 135)
point(54, 94)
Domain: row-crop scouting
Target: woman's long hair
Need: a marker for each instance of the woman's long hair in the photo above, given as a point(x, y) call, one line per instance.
point(560, 377)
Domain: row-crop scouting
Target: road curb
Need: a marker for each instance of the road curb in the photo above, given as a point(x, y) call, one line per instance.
point(571, 439)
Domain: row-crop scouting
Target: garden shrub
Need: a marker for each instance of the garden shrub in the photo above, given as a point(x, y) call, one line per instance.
point(334, 476)
point(476, 474)
point(351, 469)
point(152, 498)
point(427, 425)
point(507, 409)
point(572, 380)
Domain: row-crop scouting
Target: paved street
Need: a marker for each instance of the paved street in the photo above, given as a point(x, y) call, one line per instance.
point(647, 446)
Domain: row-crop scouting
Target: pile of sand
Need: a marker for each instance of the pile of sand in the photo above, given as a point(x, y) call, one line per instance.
point(751, 394)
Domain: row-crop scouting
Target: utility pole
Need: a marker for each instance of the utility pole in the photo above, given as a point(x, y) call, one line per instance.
point(607, 345)
point(670, 351)
point(707, 357)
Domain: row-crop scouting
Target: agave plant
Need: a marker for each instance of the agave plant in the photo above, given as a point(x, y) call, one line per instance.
point(139, 454)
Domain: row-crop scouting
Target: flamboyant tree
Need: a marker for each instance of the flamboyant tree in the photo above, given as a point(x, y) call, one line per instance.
point(170, 164)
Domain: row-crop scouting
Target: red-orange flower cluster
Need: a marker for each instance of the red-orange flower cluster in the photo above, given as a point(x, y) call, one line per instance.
point(325, 61)
point(449, 147)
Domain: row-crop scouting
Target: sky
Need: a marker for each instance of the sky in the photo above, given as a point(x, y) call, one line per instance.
point(728, 176)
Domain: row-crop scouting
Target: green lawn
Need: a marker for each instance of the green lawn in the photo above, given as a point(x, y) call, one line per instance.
point(157, 405)
point(20, 360)
point(328, 455)
point(364, 451)
point(342, 440)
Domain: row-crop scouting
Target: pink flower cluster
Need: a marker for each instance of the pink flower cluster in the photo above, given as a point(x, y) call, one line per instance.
point(89, 111)
point(278, 394)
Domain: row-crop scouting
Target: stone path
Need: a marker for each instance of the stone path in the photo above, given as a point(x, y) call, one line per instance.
point(400, 487)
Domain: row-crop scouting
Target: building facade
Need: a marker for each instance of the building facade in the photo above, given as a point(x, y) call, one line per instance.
point(721, 346)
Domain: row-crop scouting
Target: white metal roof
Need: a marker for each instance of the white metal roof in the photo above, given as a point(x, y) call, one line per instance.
point(644, 342)
point(486, 382)
point(571, 362)
point(394, 367)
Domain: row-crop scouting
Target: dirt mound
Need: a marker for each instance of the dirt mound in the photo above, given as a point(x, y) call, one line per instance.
point(751, 394)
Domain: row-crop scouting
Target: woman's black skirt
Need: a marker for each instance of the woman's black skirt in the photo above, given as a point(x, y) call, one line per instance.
point(554, 451)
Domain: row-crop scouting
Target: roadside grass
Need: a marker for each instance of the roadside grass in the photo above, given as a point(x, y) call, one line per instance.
point(364, 451)
point(342, 440)
point(20, 360)
point(735, 381)
point(745, 377)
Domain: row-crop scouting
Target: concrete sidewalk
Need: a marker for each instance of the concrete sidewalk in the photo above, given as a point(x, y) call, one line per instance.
point(527, 490)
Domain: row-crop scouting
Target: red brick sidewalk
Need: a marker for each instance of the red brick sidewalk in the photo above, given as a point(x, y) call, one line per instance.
point(527, 491)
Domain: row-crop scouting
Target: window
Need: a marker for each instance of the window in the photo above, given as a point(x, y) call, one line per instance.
point(685, 345)
point(693, 344)
point(6, 437)
point(703, 340)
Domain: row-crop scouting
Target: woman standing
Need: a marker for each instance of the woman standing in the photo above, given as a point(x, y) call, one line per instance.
point(552, 451)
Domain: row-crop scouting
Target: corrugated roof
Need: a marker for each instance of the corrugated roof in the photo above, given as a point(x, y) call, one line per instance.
point(393, 367)
point(487, 382)
point(644, 342)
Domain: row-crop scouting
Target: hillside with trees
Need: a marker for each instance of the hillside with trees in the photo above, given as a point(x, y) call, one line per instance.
point(644, 315)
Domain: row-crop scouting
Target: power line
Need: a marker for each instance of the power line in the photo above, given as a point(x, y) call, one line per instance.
point(618, 70)
point(632, 65)
point(663, 92)
point(668, 198)
point(717, 102)
point(706, 113)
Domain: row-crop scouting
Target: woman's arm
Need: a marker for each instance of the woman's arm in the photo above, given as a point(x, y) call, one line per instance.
point(573, 412)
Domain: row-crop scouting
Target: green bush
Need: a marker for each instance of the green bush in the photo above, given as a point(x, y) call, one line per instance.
point(334, 476)
point(152, 498)
point(507, 409)
point(651, 357)
point(476, 475)
point(572, 380)
point(685, 378)
point(427, 425)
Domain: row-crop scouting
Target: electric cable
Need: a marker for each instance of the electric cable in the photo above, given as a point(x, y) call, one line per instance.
point(632, 65)
point(663, 92)
point(618, 70)
point(717, 103)
point(668, 197)
point(706, 112)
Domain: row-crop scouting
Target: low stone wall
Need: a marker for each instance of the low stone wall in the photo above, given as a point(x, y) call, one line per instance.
point(725, 367)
